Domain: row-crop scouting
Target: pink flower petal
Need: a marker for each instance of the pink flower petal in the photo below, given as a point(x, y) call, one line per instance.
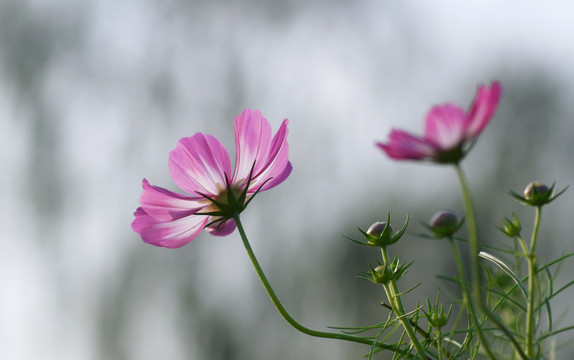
point(483, 109)
point(200, 163)
point(276, 166)
point(142, 220)
point(275, 180)
point(222, 229)
point(171, 234)
point(165, 205)
point(252, 142)
point(404, 146)
point(445, 125)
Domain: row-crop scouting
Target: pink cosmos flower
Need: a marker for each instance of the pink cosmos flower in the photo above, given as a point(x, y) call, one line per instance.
point(200, 166)
point(450, 131)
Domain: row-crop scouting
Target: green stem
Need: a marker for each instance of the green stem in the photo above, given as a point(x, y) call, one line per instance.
point(287, 316)
point(464, 288)
point(531, 258)
point(535, 230)
point(399, 309)
point(475, 270)
point(468, 301)
point(472, 235)
point(422, 332)
point(439, 344)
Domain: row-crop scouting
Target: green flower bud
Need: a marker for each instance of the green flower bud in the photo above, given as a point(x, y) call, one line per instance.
point(437, 317)
point(444, 223)
point(511, 228)
point(384, 273)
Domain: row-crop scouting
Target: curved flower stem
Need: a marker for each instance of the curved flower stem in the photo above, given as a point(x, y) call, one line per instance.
point(398, 308)
point(475, 270)
point(531, 258)
point(279, 306)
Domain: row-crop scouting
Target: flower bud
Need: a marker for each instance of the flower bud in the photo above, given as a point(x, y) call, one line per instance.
point(380, 269)
point(377, 228)
point(444, 223)
point(381, 234)
point(384, 273)
point(437, 317)
point(535, 189)
point(537, 194)
point(511, 228)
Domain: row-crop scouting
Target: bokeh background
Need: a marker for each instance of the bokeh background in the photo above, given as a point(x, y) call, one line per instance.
point(94, 95)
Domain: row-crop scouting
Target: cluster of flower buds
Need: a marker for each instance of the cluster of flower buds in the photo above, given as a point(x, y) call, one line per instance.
point(537, 194)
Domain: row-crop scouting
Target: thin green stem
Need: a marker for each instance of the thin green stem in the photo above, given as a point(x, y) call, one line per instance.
point(465, 292)
point(531, 258)
point(468, 301)
point(537, 221)
point(439, 343)
point(399, 309)
point(522, 243)
point(472, 235)
point(518, 257)
point(279, 306)
point(423, 333)
point(475, 270)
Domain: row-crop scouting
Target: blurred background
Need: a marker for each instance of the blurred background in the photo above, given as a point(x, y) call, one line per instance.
point(94, 95)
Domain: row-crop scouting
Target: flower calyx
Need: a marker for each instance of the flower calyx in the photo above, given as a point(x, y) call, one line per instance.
point(436, 315)
point(381, 234)
point(537, 194)
point(383, 273)
point(510, 227)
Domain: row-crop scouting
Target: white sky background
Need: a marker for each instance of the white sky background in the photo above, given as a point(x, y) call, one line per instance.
point(136, 77)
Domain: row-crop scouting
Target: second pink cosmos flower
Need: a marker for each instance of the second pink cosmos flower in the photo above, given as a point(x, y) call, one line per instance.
point(449, 130)
point(200, 166)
